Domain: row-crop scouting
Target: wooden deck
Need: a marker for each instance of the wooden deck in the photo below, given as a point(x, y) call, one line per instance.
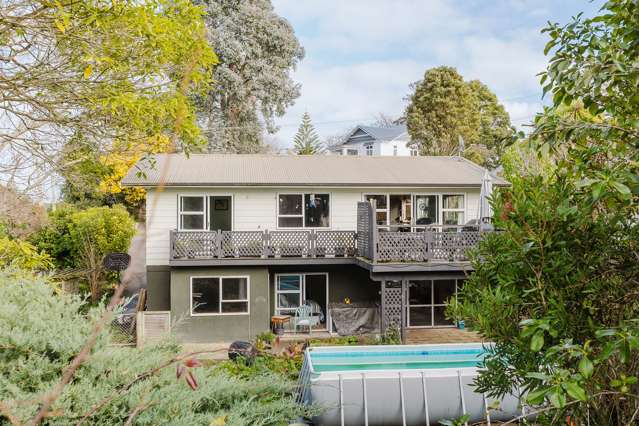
point(441, 335)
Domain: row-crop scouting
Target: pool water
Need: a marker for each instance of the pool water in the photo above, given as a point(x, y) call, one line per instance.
point(396, 359)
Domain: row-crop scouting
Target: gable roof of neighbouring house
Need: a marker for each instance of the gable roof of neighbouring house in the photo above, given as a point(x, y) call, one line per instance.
point(398, 132)
point(305, 170)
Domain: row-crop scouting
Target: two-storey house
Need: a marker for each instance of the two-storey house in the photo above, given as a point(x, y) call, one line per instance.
point(371, 140)
point(233, 240)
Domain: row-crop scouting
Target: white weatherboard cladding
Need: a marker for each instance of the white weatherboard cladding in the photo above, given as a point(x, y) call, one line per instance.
point(256, 209)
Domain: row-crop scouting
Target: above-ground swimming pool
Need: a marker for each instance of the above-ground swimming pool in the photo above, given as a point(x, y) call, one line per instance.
point(389, 385)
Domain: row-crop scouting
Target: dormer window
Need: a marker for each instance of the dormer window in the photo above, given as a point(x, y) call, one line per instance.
point(369, 149)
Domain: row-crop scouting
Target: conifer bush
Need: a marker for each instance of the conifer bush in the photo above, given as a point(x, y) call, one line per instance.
point(42, 331)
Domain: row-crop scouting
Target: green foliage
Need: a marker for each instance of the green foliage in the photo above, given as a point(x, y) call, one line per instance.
point(54, 238)
point(22, 254)
point(594, 62)
point(561, 271)
point(265, 364)
point(460, 421)
point(306, 140)
point(444, 108)
point(94, 233)
point(40, 333)
point(556, 290)
point(103, 72)
point(257, 50)
point(79, 240)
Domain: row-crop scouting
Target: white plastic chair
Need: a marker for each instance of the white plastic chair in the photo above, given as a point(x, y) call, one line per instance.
point(303, 318)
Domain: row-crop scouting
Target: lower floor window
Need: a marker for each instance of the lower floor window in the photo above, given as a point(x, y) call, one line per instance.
point(219, 295)
point(427, 302)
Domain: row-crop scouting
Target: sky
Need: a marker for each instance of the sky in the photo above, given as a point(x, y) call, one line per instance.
point(362, 55)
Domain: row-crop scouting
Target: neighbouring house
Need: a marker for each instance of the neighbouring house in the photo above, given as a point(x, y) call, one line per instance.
point(371, 140)
point(233, 240)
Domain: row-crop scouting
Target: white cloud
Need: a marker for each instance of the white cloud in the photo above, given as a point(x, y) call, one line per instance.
point(363, 54)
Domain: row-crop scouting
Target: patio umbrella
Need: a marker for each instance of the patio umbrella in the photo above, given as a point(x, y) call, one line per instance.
point(485, 210)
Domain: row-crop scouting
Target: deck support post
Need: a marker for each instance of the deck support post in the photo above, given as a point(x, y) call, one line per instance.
point(341, 399)
point(365, 399)
point(401, 398)
point(425, 399)
point(461, 394)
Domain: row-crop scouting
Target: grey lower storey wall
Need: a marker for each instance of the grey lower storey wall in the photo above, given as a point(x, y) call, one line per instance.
point(158, 288)
point(219, 328)
point(168, 288)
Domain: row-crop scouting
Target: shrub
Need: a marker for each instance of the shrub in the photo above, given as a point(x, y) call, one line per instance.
point(40, 333)
point(24, 255)
point(79, 239)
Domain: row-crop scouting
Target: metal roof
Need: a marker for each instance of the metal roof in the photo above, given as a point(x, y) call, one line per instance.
point(305, 170)
point(386, 133)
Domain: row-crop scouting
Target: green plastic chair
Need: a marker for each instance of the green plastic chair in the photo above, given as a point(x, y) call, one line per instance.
point(303, 318)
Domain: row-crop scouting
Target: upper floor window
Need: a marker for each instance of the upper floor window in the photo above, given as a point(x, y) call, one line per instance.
point(192, 212)
point(453, 209)
point(395, 150)
point(303, 211)
point(369, 149)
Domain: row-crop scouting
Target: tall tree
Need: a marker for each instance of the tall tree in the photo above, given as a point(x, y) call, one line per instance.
point(495, 131)
point(444, 107)
point(557, 289)
point(306, 141)
point(102, 70)
point(257, 50)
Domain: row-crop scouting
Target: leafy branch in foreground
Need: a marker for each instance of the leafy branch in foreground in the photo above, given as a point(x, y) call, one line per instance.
point(98, 71)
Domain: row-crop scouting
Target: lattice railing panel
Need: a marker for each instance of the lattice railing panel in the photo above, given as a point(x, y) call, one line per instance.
point(392, 305)
point(289, 243)
point(194, 244)
point(334, 243)
point(453, 245)
point(365, 224)
point(402, 246)
point(242, 244)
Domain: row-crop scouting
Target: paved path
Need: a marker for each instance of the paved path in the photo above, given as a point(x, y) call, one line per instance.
point(441, 335)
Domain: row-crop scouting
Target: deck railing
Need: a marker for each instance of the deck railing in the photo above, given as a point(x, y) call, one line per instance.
point(404, 243)
point(261, 244)
point(399, 243)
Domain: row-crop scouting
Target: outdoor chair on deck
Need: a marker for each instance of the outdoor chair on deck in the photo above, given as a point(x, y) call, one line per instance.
point(303, 318)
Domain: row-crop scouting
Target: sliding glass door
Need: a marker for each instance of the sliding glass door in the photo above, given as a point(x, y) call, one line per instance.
point(293, 290)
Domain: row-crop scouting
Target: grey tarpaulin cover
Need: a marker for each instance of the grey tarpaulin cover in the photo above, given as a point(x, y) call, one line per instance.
point(355, 318)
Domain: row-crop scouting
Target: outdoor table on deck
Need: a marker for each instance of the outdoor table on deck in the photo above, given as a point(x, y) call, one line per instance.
point(278, 321)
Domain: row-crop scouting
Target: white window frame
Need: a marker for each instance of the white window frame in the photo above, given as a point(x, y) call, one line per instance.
point(369, 149)
point(222, 278)
point(352, 152)
point(440, 205)
point(462, 210)
point(414, 152)
point(193, 213)
point(377, 210)
point(431, 305)
point(303, 215)
point(395, 150)
point(302, 293)
point(428, 194)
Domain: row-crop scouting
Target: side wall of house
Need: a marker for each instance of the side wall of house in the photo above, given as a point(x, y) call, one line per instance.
point(256, 209)
point(387, 148)
point(219, 328)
